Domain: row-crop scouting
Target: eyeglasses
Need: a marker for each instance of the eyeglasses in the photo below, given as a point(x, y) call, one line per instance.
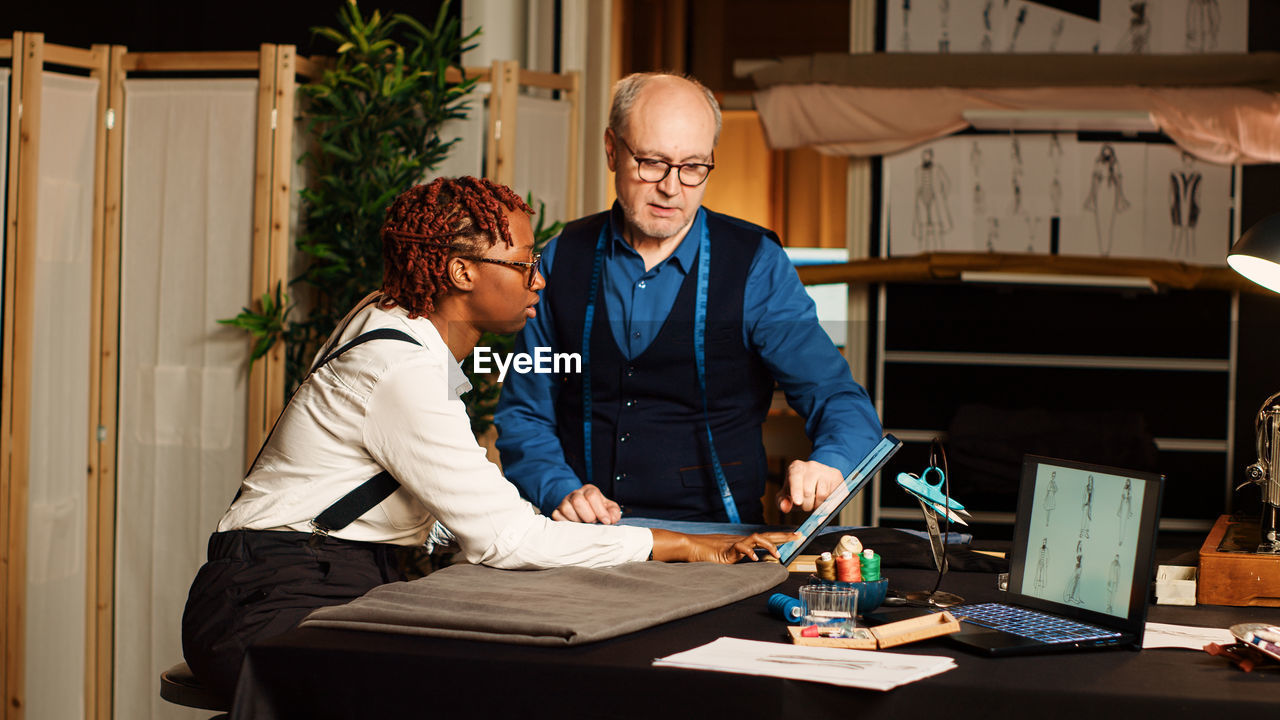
point(532, 265)
point(653, 170)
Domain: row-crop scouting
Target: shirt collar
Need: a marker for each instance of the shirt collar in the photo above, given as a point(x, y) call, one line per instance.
point(684, 256)
point(426, 333)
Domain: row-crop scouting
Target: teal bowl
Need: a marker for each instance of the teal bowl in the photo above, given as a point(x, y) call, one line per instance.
point(870, 594)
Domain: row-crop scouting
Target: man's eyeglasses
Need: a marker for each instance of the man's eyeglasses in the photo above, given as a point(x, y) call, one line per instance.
point(653, 170)
point(531, 265)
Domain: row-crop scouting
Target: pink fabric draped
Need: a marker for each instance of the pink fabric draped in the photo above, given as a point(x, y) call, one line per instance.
point(1221, 125)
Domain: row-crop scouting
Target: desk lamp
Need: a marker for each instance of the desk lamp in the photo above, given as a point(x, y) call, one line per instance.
point(1256, 255)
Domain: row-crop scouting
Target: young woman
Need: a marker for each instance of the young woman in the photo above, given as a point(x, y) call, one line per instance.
point(375, 448)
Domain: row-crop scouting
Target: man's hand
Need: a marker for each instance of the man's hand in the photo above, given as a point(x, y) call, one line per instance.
point(808, 483)
point(588, 505)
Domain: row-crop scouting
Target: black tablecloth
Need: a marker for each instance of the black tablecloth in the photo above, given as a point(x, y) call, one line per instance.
point(314, 673)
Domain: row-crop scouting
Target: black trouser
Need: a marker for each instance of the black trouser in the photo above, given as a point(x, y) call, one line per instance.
point(258, 584)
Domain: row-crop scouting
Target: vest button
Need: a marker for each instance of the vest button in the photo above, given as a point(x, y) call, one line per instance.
point(631, 370)
point(624, 437)
point(629, 403)
point(619, 477)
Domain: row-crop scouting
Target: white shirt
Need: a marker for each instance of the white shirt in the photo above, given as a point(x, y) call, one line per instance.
point(394, 405)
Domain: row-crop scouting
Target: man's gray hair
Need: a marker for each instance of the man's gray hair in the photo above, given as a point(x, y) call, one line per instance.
point(628, 89)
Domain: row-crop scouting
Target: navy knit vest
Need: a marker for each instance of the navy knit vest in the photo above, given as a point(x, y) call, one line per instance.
point(649, 442)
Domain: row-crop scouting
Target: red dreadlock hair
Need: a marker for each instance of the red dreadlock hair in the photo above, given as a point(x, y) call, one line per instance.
point(426, 223)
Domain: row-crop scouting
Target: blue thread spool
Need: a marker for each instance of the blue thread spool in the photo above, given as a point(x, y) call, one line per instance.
point(787, 608)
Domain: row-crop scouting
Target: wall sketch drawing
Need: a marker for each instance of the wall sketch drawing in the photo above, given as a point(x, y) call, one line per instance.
point(1203, 18)
point(1055, 179)
point(1105, 198)
point(1042, 564)
point(1015, 175)
point(905, 43)
point(1187, 207)
point(932, 210)
point(1174, 26)
point(1086, 509)
point(975, 169)
point(942, 26)
point(944, 38)
point(1184, 207)
point(928, 198)
point(1031, 27)
point(1137, 37)
point(1125, 510)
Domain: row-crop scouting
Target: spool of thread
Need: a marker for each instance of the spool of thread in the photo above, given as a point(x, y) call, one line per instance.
point(870, 566)
point(848, 568)
point(786, 608)
point(826, 566)
point(849, 544)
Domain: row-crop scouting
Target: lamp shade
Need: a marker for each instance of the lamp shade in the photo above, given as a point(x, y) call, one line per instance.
point(1256, 255)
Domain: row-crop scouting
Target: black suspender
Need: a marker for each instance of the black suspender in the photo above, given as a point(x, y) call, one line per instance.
point(372, 491)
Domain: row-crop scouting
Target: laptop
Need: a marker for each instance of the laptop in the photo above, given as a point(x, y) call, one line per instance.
point(1081, 566)
point(871, 464)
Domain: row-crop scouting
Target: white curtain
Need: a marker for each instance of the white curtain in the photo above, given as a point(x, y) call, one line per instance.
point(186, 256)
point(466, 157)
point(542, 154)
point(59, 418)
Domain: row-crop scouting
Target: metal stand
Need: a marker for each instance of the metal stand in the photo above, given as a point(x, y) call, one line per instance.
point(935, 597)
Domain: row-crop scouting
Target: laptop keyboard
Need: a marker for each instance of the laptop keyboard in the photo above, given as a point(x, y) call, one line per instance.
point(1030, 624)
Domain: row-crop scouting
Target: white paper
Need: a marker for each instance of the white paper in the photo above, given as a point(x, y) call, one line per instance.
point(867, 669)
point(1190, 637)
point(1187, 208)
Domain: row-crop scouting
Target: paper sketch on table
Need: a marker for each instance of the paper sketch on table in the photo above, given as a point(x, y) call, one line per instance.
point(867, 669)
point(1187, 637)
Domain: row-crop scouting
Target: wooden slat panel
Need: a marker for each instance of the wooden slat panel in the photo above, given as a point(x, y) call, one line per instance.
point(107, 408)
point(572, 183)
point(73, 56)
point(6, 373)
point(258, 425)
point(191, 61)
point(283, 92)
point(93, 531)
point(6, 48)
point(545, 80)
point(20, 274)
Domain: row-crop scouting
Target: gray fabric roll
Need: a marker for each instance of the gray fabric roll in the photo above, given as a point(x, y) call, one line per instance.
point(562, 606)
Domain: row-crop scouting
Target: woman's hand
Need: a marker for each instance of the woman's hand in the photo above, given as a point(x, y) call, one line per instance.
point(669, 546)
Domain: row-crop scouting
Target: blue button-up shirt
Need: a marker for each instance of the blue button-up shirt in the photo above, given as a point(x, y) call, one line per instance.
point(779, 322)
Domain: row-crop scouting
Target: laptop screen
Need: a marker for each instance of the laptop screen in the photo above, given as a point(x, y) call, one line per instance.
point(1085, 538)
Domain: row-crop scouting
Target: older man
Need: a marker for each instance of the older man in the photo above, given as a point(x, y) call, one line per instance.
point(684, 319)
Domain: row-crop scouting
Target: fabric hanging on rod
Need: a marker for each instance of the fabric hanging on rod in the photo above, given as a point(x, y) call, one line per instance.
point(186, 256)
point(542, 152)
point(59, 415)
point(1219, 124)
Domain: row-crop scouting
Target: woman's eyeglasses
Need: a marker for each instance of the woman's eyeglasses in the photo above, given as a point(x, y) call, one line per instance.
point(531, 265)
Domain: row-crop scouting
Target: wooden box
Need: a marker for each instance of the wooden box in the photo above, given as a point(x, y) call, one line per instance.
point(1236, 578)
point(888, 635)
